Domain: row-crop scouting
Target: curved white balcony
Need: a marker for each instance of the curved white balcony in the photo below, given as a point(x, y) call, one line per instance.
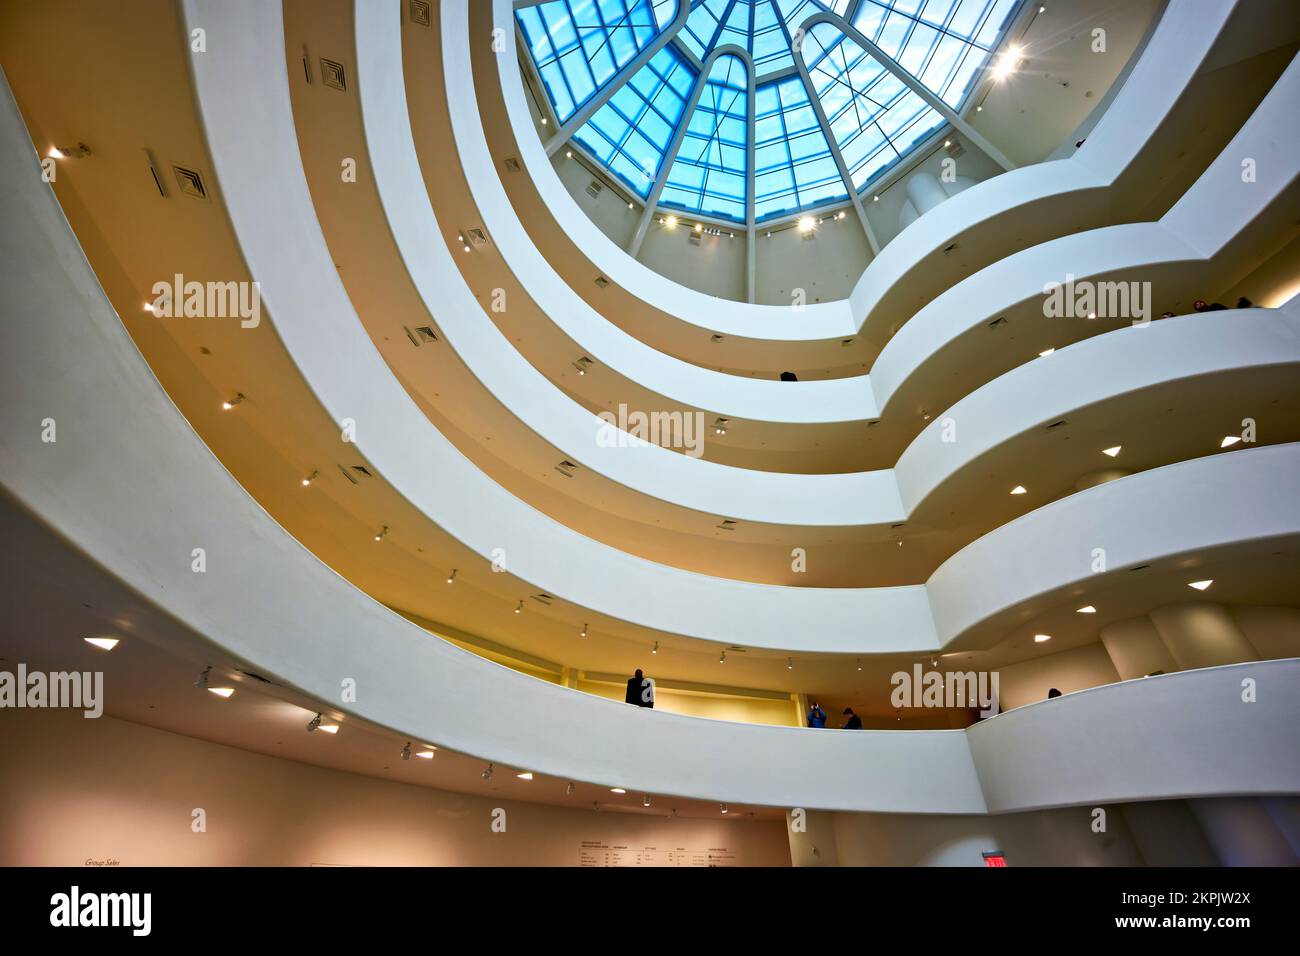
point(109, 489)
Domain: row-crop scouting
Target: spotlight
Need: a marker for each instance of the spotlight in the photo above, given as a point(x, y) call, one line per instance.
point(1008, 63)
point(1042, 638)
point(789, 663)
point(859, 663)
point(1018, 490)
point(329, 728)
point(842, 214)
point(655, 649)
point(231, 402)
point(570, 789)
point(451, 577)
point(519, 608)
point(629, 205)
point(310, 478)
point(617, 790)
point(875, 199)
point(1113, 451)
point(645, 799)
point(56, 153)
point(103, 643)
point(584, 630)
point(670, 222)
point(383, 533)
point(406, 751)
point(426, 754)
point(543, 120)
point(1045, 353)
point(1229, 440)
point(525, 775)
point(487, 774)
point(312, 724)
point(807, 224)
point(1086, 609)
point(724, 808)
point(223, 692)
point(202, 681)
point(1200, 585)
point(722, 658)
point(568, 154)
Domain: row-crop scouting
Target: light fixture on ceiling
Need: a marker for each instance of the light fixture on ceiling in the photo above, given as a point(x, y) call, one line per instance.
point(807, 224)
point(223, 692)
point(1045, 352)
point(543, 120)
point(699, 227)
point(1112, 451)
point(427, 754)
point(859, 663)
point(617, 790)
point(645, 799)
point(722, 658)
point(875, 199)
point(525, 775)
point(629, 205)
point(1018, 490)
point(724, 808)
point(148, 306)
point(310, 478)
point(56, 153)
point(312, 725)
point(201, 682)
point(1201, 585)
point(1229, 440)
point(1042, 638)
point(1086, 609)
point(451, 578)
point(329, 728)
point(232, 401)
point(584, 631)
point(670, 222)
point(1008, 63)
point(655, 649)
point(570, 789)
point(383, 533)
point(487, 772)
point(519, 608)
point(406, 751)
point(947, 143)
point(103, 643)
point(1092, 315)
point(789, 663)
point(568, 154)
point(842, 214)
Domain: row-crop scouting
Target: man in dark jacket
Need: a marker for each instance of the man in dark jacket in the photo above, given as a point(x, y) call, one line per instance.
point(640, 690)
point(854, 722)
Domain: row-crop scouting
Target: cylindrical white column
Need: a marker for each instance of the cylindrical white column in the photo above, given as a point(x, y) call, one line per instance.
point(1135, 648)
point(1202, 635)
point(925, 192)
point(1242, 832)
point(812, 838)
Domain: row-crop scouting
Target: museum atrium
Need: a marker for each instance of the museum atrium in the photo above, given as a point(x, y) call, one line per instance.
point(900, 396)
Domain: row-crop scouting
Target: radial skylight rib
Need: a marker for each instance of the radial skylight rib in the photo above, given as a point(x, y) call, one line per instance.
point(579, 45)
point(631, 132)
point(709, 173)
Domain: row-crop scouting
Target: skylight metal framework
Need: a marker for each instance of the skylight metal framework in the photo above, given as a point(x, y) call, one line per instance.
point(836, 93)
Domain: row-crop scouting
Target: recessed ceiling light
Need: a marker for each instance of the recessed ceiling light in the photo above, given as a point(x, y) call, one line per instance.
point(103, 643)
point(1018, 490)
point(1229, 440)
point(1112, 451)
point(1042, 638)
point(1045, 353)
point(617, 790)
point(329, 728)
point(425, 754)
point(526, 775)
point(1086, 609)
point(1200, 585)
point(222, 691)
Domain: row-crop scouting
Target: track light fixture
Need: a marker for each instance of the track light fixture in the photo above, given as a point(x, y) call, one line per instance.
point(451, 578)
point(202, 682)
point(383, 533)
point(722, 658)
point(487, 774)
point(519, 608)
point(584, 630)
point(655, 649)
point(406, 751)
point(789, 663)
point(645, 799)
point(570, 789)
point(310, 478)
point(232, 401)
point(313, 724)
point(724, 809)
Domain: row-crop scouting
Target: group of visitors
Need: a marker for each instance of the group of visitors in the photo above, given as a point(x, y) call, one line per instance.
point(817, 718)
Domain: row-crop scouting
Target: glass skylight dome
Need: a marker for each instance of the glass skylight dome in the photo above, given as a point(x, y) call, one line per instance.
point(747, 110)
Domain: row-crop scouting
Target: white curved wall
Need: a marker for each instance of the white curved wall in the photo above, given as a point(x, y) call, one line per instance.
point(110, 486)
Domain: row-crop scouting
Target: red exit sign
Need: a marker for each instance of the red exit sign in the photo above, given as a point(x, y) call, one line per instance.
point(995, 858)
